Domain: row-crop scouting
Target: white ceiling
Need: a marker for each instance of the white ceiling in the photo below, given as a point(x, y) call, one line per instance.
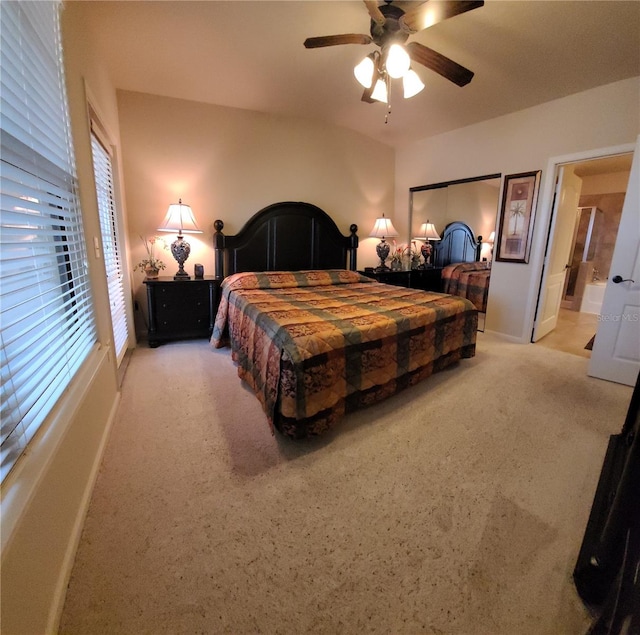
point(250, 54)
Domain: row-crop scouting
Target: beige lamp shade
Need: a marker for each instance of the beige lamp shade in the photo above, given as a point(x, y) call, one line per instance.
point(179, 219)
point(383, 228)
point(492, 238)
point(427, 231)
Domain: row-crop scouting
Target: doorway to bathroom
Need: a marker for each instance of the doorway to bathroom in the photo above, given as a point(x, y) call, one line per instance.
point(586, 264)
point(582, 250)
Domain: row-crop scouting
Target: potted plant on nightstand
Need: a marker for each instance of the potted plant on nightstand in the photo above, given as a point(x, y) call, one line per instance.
point(151, 265)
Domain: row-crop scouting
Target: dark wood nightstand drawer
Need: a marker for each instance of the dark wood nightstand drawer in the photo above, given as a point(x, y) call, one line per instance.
point(177, 321)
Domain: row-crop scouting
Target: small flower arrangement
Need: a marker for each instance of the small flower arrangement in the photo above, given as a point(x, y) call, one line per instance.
point(396, 253)
point(408, 253)
point(151, 263)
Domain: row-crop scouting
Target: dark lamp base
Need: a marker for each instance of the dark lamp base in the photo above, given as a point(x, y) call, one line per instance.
point(181, 249)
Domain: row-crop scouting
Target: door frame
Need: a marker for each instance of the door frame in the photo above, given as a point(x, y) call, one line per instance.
point(549, 221)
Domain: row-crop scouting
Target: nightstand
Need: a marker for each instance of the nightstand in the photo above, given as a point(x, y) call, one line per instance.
point(428, 279)
point(180, 309)
point(396, 278)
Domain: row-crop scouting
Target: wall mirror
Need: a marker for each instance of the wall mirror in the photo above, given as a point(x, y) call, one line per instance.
point(474, 201)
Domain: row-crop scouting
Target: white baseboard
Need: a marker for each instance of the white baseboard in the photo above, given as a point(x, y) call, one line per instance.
point(507, 338)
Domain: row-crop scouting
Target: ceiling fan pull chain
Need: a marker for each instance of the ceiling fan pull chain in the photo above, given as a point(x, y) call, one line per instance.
point(386, 117)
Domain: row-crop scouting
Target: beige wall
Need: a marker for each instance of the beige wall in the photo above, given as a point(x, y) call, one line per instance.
point(229, 163)
point(605, 183)
point(44, 499)
point(520, 142)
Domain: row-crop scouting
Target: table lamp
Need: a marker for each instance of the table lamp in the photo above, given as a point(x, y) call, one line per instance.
point(383, 228)
point(427, 233)
point(180, 219)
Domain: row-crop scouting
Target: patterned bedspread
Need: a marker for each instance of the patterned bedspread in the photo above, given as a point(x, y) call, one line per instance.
point(468, 280)
point(315, 345)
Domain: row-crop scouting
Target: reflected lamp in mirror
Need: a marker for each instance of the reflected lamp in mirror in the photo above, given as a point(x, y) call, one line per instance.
point(426, 234)
point(382, 229)
point(490, 241)
point(180, 219)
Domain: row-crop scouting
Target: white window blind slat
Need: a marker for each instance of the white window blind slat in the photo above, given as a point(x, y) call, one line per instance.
point(103, 177)
point(39, 313)
point(46, 308)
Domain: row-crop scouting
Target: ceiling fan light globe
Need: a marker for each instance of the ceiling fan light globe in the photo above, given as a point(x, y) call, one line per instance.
point(398, 61)
point(380, 91)
point(364, 72)
point(411, 84)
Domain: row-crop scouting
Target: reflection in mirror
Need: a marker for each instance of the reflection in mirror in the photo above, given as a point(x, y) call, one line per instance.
point(472, 201)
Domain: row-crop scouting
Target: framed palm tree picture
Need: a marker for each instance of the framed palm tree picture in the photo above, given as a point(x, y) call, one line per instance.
point(517, 213)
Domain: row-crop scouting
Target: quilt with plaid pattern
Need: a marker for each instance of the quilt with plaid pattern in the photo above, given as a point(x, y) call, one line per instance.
point(468, 280)
point(315, 345)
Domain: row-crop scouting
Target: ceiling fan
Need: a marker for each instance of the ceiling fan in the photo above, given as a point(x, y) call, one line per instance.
point(391, 26)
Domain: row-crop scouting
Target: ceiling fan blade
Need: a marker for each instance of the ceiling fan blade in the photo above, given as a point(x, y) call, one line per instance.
point(333, 40)
point(439, 63)
point(374, 11)
point(433, 11)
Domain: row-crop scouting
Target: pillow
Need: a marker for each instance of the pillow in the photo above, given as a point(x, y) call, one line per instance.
point(288, 279)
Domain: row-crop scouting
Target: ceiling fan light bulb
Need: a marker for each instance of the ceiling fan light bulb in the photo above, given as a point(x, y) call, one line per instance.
point(364, 72)
point(411, 84)
point(380, 91)
point(398, 61)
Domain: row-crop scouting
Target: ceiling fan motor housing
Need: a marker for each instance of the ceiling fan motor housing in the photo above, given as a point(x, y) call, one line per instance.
point(391, 32)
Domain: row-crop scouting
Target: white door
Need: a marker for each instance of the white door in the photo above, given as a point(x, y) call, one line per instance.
point(565, 214)
point(616, 350)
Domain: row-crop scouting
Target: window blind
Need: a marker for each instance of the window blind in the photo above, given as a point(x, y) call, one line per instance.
point(103, 175)
point(47, 325)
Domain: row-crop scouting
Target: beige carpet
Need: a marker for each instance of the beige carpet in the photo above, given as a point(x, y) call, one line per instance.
point(457, 506)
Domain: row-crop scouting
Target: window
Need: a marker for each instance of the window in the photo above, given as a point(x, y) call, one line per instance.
point(103, 175)
point(47, 326)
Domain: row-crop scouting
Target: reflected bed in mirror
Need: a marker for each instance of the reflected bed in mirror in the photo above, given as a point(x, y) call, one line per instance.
point(462, 212)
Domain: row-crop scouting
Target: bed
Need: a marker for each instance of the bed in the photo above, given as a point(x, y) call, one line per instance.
point(316, 340)
point(463, 274)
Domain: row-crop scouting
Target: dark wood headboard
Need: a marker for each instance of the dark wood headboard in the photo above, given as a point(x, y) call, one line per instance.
point(289, 236)
point(458, 244)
